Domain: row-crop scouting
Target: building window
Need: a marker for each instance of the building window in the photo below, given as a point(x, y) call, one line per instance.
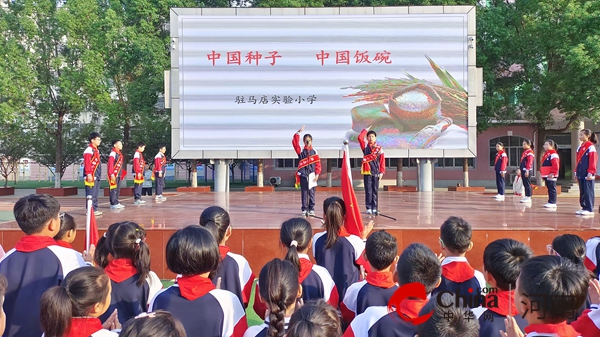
point(513, 146)
point(286, 163)
point(454, 162)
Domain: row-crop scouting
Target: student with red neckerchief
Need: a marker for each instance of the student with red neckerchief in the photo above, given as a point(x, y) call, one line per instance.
point(526, 168)
point(549, 171)
point(92, 170)
point(125, 257)
point(500, 168)
point(193, 253)
point(585, 171)
point(309, 164)
point(542, 279)
point(73, 308)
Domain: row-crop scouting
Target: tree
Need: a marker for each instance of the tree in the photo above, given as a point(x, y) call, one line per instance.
point(541, 62)
point(74, 139)
point(13, 147)
point(134, 42)
point(68, 74)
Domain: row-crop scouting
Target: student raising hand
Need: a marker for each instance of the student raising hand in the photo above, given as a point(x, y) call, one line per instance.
point(512, 329)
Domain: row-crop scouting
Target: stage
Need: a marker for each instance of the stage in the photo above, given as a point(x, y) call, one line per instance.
point(256, 218)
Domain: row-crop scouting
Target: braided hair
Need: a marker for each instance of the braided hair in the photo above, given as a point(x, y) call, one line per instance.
point(278, 286)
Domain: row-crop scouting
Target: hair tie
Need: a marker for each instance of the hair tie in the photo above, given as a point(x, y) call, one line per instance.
point(69, 294)
point(294, 243)
point(137, 241)
point(104, 235)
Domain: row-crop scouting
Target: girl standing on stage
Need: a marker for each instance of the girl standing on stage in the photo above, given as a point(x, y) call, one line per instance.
point(500, 168)
point(585, 171)
point(526, 168)
point(549, 171)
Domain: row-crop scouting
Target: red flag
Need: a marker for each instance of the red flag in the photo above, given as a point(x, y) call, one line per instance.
point(353, 223)
point(93, 234)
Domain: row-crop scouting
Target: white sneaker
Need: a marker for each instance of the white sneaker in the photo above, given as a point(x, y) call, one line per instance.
point(499, 197)
point(311, 213)
point(369, 211)
point(115, 207)
point(375, 212)
point(120, 206)
point(138, 202)
point(304, 213)
point(579, 212)
point(142, 201)
point(97, 213)
point(549, 205)
point(163, 198)
point(587, 213)
point(526, 199)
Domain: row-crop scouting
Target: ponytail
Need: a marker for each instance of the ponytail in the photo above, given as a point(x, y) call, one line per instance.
point(126, 240)
point(592, 137)
point(217, 221)
point(295, 234)
point(335, 213)
point(56, 312)
point(75, 297)
point(278, 286)
point(101, 254)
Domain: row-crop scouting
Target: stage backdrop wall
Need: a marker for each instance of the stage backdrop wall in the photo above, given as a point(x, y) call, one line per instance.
point(242, 85)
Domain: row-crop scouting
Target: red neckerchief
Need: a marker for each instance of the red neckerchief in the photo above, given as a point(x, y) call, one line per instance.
point(562, 329)
point(195, 286)
point(119, 270)
point(305, 269)
point(31, 243)
point(381, 279)
point(525, 153)
point(83, 327)
point(547, 154)
point(498, 156)
point(411, 308)
point(343, 232)
point(582, 150)
point(458, 271)
point(503, 299)
point(223, 250)
point(63, 244)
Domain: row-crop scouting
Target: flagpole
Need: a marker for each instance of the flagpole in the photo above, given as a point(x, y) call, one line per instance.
point(88, 221)
point(347, 151)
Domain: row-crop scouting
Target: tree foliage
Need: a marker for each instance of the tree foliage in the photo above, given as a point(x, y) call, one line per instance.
point(14, 145)
point(541, 61)
point(44, 147)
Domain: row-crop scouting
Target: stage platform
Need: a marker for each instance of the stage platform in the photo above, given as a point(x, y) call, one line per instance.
point(256, 218)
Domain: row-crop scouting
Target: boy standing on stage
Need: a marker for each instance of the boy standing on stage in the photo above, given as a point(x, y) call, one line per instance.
point(92, 170)
point(373, 168)
point(160, 169)
point(309, 164)
point(115, 170)
point(138, 173)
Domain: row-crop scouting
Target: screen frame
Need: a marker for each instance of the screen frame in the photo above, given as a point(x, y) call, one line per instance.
point(475, 81)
